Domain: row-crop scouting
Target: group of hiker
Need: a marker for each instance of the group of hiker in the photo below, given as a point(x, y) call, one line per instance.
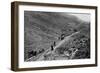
point(59, 38)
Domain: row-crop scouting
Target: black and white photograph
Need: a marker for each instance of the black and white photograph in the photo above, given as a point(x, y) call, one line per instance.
point(53, 36)
point(56, 36)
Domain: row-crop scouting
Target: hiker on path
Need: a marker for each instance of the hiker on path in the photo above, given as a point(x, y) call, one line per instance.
point(52, 48)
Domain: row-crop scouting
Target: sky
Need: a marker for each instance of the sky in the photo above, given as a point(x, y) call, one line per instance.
point(84, 17)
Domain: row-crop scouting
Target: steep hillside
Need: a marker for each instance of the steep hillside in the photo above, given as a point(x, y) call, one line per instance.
point(41, 29)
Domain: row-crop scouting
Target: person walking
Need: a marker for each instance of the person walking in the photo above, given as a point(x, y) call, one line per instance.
point(54, 43)
point(52, 48)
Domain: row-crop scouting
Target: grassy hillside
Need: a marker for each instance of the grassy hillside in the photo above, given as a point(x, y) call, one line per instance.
point(41, 29)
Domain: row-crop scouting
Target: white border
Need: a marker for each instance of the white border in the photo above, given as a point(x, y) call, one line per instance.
point(23, 64)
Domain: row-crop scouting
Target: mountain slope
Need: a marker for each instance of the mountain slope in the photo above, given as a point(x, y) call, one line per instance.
point(41, 29)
